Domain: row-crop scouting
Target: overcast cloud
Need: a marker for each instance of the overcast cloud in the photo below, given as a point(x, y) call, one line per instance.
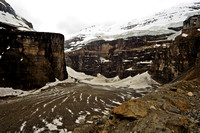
point(70, 16)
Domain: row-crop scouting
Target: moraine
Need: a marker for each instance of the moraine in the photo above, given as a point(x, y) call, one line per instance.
point(62, 107)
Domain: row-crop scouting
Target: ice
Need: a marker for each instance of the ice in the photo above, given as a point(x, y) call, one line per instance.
point(143, 80)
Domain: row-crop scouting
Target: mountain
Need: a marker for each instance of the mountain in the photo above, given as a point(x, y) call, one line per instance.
point(168, 22)
point(172, 107)
point(8, 16)
point(129, 49)
point(28, 59)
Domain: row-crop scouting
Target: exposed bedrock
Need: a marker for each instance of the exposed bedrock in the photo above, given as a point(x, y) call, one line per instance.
point(29, 60)
point(122, 57)
point(182, 55)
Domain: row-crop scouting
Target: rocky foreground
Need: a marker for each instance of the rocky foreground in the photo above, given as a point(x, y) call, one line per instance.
point(171, 108)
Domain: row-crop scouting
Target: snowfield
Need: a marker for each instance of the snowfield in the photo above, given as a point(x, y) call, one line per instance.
point(11, 92)
point(13, 19)
point(161, 23)
point(140, 81)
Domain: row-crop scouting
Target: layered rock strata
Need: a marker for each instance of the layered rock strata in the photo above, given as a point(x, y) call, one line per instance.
point(122, 57)
point(182, 55)
point(29, 60)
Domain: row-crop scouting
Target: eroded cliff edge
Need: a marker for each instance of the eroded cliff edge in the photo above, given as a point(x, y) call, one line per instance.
point(30, 59)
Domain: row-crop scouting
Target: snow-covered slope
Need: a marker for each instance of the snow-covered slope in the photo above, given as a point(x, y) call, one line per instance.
point(165, 22)
point(8, 16)
point(139, 81)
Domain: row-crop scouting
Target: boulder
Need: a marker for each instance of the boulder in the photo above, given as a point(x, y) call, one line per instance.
point(132, 109)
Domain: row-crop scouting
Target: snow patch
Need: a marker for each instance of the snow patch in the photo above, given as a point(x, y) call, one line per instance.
point(184, 35)
point(70, 111)
point(145, 62)
point(22, 126)
point(80, 118)
point(15, 21)
point(58, 122)
point(130, 69)
point(143, 80)
point(103, 60)
point(11, 92)
point(52, 127)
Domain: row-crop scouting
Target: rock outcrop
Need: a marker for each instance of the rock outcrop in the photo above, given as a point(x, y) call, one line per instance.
point(122, 57)
point(29, 60)
point(182, 55)
point(131, 109)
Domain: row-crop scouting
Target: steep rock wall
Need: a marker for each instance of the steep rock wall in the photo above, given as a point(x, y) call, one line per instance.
point(122, 57)
point(29, 60)
point(183, 54)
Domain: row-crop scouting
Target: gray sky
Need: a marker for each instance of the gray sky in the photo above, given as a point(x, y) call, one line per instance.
point(70, 16)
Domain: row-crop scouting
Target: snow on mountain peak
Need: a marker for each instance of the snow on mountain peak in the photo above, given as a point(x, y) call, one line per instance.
point(168, 21)
point(8, 16)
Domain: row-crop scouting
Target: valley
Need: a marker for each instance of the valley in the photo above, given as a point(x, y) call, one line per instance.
point(61, 108)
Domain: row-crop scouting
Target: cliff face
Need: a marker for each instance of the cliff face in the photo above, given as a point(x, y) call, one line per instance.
point(123, 57)
point(182, 55)
point(173, 107)
point(30, 59)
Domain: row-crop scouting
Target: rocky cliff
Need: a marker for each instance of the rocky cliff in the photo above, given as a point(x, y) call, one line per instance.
point(132, 48)
point(173, 107)
point(123, 57)
point(31, 59)
point(28, 59)
point(182, 55)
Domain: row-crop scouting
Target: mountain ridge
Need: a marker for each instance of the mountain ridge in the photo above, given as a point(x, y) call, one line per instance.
point(10, 17)
point(169, 21)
